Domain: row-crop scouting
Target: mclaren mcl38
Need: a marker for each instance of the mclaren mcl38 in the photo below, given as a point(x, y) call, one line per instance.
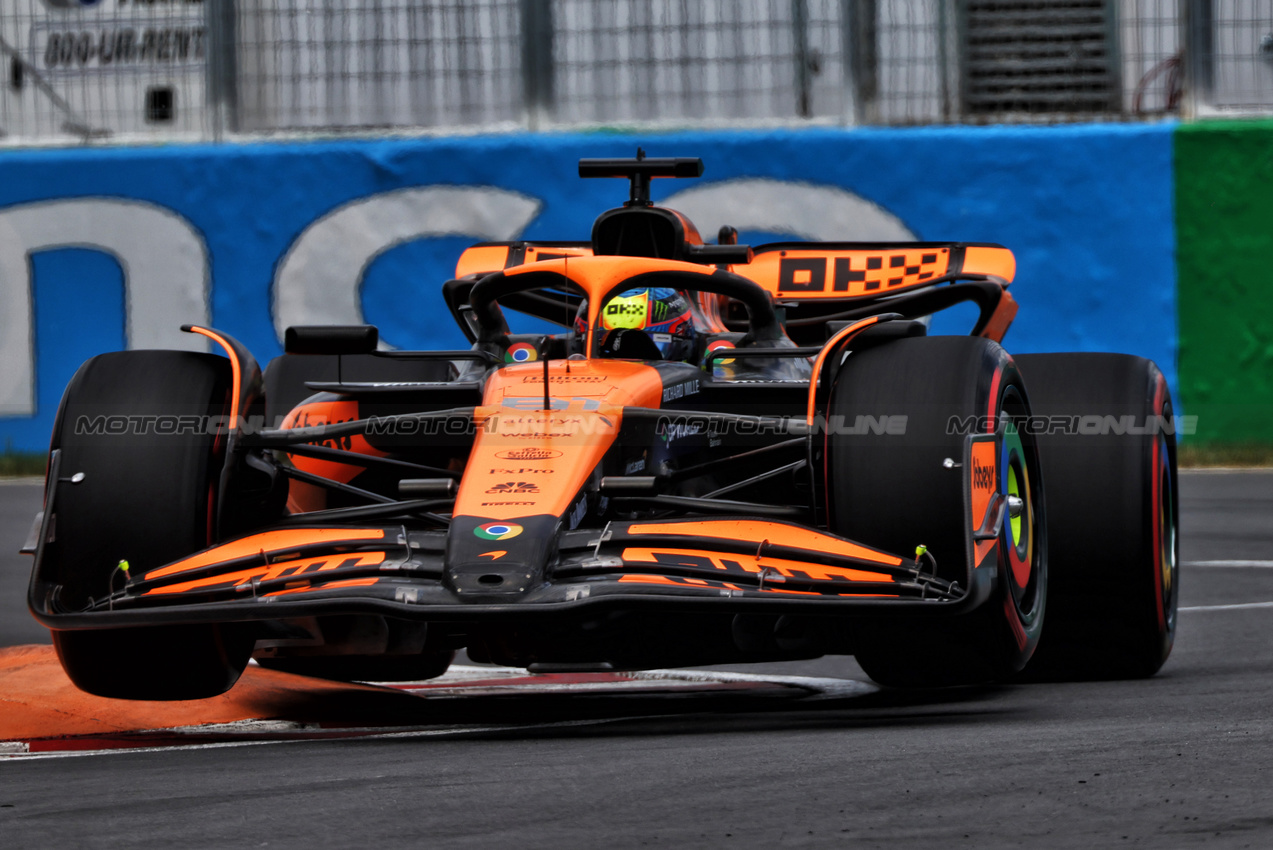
point(723, 453)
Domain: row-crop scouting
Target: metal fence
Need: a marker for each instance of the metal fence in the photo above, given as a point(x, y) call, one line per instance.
point(202, 69)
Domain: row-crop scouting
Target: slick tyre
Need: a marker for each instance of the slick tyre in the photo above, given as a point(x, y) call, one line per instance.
point(1109, 460)
point(136, 424)
point(897, 491)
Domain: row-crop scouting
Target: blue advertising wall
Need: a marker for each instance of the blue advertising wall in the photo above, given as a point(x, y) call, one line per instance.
point(113, 248)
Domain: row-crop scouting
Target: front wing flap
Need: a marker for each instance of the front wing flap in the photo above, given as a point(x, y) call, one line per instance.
point(744, 563)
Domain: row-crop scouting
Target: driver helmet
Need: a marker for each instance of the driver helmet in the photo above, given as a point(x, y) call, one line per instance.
point(661, 311)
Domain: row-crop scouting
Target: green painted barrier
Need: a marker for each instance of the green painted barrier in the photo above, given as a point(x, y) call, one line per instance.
point(1224, 263)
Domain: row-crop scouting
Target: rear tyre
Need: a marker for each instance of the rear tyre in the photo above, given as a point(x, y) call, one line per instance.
point(894, 491)
point(148, 497)
point(1113, 512)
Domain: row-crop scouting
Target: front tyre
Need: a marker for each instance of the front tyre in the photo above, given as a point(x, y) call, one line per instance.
point(148, 496)
point(896, 491)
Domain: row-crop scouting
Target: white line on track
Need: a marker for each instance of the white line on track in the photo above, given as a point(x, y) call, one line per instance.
point(1239, 606)
point(1259, 565)
point(1226, 470)
point(1236, 607)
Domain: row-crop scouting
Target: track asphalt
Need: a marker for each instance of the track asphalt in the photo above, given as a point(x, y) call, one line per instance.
point(1179, 760)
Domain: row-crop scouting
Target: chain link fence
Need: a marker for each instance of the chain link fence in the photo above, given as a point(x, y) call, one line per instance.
point(77, 69)
point(202, 69)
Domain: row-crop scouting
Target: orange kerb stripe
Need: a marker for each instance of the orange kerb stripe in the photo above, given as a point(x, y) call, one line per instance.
point(41, 703)
point(268, 541)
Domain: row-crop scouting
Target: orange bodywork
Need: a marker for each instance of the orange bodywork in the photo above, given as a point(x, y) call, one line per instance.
point(833, 344)
point(303, 497)
point(822, 273)
point(685, 581)
point(530, 461)
point(761, 531)
point(599, 276)
point(268, 542)
point(1001, 319)
point(984, 477)
point(487, 259)
point(817, 273)
point(989, 260)
point(282, 569)
point(326, 585)
point(482, 259)
point(236, 371)
point(741, 565)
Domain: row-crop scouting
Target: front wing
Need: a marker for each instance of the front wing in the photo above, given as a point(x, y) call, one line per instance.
point(718, 564)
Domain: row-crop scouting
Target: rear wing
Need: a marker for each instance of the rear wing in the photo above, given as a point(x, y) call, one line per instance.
point(819, 282)
point(807, 269)
point(844, 270)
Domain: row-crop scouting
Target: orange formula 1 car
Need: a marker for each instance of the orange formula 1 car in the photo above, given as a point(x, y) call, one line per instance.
point(727, 454)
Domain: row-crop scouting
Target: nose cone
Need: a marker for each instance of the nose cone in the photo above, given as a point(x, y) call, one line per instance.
point(480, 582)
point(498, 560)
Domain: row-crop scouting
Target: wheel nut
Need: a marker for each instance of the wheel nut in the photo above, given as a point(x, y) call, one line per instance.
point(1015, 504)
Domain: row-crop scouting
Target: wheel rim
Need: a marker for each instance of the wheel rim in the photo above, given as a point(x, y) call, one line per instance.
point(1019, 479)
point(1014, 489)
point(1166, 554)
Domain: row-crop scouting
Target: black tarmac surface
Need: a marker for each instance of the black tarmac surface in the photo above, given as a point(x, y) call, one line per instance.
point(1180, 760)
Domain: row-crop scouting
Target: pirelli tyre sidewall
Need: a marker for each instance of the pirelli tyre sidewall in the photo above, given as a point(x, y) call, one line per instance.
point(146, 429)
point(901, 490)
point(1107, 440)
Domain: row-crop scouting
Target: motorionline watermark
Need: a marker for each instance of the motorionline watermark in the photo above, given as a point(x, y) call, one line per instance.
point(670, 428)
point(1085, 425)
point(522, 424)
point(177, 425)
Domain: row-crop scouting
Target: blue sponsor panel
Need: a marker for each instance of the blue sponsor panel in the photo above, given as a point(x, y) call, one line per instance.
point(103, 249)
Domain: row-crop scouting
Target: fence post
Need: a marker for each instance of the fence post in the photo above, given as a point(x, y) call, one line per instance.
point(858, 27)
point(800, 47)
point(538, 93)
point(1199, 57)
point(948, 51)
point(223, 90)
